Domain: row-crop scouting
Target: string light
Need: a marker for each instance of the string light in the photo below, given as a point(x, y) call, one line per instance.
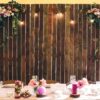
point(35, 14)
point(72, 22)
point(92, 20)
point(21, 23)
point(59, 15)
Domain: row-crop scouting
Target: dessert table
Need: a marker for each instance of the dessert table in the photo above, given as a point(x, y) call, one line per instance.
point(56, 92)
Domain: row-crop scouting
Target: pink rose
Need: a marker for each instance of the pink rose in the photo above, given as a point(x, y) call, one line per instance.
point(19, 83)
point(43, 82)
point(82, 82)
point(32, 83)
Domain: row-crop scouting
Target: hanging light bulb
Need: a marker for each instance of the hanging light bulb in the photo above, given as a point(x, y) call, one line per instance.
point(91, 20)
point(21, 23)
point(72, 22)
point(35, 14)
point(59, 15)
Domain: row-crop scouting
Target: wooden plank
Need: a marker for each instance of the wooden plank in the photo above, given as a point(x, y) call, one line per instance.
point(41, 43)
point(84, 44)
point(10, 48)
point(23, 28)
point(6, 49)
point(72, 40)
point(58, 45)
point(67, 44)
point(27, 45)
point(90, 63)
point(32, 40)
point(76, 40)
point(54, 49)
point(19, 51)
point(62, 36)
point(46, 44)
point(36, 27)
point(79, 52)
point(1, 54)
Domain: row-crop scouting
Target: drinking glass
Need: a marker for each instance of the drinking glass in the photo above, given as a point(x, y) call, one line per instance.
point(72, 79)
point(1, 84)
point(35, 78)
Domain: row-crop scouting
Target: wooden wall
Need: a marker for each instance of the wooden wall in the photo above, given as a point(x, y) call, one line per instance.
point(49, 46)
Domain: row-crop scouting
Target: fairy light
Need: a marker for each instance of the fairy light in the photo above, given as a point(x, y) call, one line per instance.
point(21, 23)
point(91, 20)
point(72, 22)
point(35, 14)
point(59, 15)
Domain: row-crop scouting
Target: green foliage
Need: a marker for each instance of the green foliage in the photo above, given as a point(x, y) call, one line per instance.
point(94, 14)
point(10, 11)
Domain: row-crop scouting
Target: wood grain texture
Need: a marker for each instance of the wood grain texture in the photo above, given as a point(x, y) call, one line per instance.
point(49, 46)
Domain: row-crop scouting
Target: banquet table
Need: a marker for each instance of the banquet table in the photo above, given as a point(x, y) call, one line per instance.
point(55, 92)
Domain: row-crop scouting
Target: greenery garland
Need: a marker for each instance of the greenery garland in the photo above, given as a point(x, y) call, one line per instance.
point(11, 10)
point(94, 15)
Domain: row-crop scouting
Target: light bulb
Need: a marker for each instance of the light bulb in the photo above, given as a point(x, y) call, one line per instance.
point(21, 23)
point(72, 22)
point(59, 15)
point(92, 20)
point(36, 15)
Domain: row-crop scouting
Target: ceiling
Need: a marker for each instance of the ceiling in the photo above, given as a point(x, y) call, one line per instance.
point(54, 1)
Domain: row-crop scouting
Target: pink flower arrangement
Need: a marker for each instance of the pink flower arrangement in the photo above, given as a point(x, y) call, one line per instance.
point(7, 11)
point(18, 83)
point(82, 82)
point(32, 83)
point(94, 11)
point(11, 9)
point(18, 87)
point(43, 82)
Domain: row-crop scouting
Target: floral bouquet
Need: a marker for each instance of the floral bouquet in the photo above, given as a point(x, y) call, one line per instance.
point(12, 10)
point(43, 82)
point(94, 14)
point(18, 87)
point(32, 83)
point(82, 83)
point(41, 91)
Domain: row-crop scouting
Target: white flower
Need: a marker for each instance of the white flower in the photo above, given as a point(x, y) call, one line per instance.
point(97, 13)
point(12, 14)
point(3, 10)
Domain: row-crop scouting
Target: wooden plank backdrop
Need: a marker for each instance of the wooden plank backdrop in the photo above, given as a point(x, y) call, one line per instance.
point(49, 46)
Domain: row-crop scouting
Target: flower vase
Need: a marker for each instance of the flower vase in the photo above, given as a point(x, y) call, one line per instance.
point(74, 88)
point(18, 87)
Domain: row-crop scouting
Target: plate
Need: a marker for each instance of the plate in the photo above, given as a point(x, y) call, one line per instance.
point(40, 95)
point(75, 95)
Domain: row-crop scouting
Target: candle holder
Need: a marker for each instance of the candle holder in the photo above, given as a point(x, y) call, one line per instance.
point(74, 91)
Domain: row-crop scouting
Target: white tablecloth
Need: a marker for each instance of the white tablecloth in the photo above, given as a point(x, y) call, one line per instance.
point(56, 92)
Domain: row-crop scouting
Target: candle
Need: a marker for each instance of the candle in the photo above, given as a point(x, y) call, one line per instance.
point(74, 88)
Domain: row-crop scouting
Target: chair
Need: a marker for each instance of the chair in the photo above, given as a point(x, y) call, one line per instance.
point(50, 81)
point(9, 82)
